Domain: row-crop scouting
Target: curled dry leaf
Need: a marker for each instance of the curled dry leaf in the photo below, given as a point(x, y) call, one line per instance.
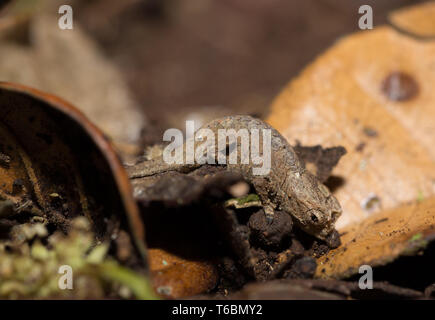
point(372, 93)
point(58, 165)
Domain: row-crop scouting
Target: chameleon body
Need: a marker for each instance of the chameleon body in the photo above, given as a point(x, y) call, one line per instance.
point(288, 186)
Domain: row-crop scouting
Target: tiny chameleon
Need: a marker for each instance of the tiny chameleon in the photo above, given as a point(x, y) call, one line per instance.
point(288, 187)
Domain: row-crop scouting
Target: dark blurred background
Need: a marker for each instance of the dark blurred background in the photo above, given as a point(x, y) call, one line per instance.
point(227, 55)
point(195, 59)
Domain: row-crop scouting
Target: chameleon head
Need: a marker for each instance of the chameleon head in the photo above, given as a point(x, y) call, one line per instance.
point(318, 208)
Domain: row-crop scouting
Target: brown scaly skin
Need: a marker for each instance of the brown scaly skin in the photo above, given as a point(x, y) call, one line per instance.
point(288, 187)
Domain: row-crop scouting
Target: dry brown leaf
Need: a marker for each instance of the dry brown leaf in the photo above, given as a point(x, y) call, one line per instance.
point(380, 238)
point(372, 93)
point(57, 165)
point(175, 277)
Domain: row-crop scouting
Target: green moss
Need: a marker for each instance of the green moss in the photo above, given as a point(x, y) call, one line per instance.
point(252, 197)
point(250, 200)
point(416, 243)
point(30, 269)
point(416, 237)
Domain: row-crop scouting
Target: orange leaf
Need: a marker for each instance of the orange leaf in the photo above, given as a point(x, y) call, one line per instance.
point(372, 93)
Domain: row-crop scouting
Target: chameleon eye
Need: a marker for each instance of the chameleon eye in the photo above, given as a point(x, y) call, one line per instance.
point(315, 215)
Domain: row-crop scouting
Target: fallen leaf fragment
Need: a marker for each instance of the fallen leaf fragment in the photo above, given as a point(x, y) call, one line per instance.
point(175, 277)
point(372, 93)
point(417, 20)
point(380, 239)
point(338, 100)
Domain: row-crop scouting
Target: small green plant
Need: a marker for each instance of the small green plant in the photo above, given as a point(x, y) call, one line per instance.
point(30, 268)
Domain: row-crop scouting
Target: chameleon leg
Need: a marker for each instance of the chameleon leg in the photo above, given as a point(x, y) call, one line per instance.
point(262, 191)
